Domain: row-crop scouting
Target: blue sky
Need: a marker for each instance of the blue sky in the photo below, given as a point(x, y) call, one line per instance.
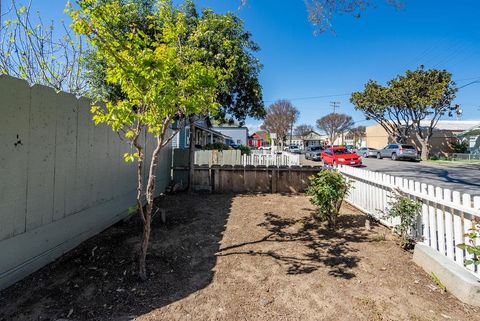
point(381, 44)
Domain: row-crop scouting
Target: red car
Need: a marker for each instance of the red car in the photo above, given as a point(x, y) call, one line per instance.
point(340, 155)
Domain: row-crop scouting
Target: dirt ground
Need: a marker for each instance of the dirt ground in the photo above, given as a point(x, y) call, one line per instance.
point(247, 257)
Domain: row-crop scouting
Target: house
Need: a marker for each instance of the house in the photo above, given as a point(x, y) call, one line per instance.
point(444, 134)
point(311, 139)
point(259, 139)
point(472, 137)
point(205, 134)
point(239, 135)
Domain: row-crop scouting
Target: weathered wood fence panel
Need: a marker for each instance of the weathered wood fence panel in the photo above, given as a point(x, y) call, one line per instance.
point(260, 179)
point(62, 179)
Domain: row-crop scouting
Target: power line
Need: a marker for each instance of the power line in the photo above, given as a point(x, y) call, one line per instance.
point(470, 78)
point(470, 83)
point(310, 97)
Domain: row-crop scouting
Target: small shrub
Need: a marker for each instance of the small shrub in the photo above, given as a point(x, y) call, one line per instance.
point(472, 247)
point(245, 150)
point(434, 157)
point(327, 190)
point(460, 147)
point(407, 210)
point(217, 146)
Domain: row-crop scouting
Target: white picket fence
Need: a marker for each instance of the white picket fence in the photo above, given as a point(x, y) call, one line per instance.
point(445, 218)
point(284, 159)
point(234, 157)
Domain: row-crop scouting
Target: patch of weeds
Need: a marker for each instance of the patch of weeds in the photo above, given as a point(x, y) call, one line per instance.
point(407, 210)
point(378, 238)
point(438, 282)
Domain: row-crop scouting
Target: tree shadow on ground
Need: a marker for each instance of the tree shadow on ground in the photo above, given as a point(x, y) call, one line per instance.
point(98, 280)
point(323, 248)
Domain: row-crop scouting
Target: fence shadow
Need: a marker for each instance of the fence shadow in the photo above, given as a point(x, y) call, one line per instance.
point(98, 281)
point(320, 247)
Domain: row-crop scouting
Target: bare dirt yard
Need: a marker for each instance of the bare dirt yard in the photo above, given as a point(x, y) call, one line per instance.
point(244, 257)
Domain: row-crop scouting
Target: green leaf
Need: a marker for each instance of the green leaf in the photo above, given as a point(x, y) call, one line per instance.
point(132, 209)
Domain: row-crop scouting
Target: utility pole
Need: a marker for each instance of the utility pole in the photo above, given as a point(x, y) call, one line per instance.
point(335, 105)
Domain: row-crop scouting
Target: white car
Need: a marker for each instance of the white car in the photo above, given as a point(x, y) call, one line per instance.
point(294, 149)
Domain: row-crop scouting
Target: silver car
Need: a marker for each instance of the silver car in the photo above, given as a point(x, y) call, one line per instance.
point(293, 149)
point(314, 153)
point(398, 151)
point(366, 152)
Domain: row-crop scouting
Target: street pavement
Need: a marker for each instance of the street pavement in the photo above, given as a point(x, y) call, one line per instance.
point(464, 178)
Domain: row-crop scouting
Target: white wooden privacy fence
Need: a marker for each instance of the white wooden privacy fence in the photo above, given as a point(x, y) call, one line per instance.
point(445, 217)
point(284, 159)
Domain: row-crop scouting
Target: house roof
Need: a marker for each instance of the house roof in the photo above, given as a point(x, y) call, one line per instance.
point(452, 125)
point(212, 131)
point(313, 135)
point(473, 131)
point(259, 135)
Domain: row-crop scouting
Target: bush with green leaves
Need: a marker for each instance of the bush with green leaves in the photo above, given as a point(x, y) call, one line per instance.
point(327, 189)
point(407, 210)
point(217, 146)
point(472, 247)
point(245, 150)
point(460, 147)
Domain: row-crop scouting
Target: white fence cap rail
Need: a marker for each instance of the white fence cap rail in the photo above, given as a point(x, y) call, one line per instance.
point(362, 174)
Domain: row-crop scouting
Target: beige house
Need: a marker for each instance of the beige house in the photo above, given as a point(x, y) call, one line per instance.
point(311, 139)
point(444, 134)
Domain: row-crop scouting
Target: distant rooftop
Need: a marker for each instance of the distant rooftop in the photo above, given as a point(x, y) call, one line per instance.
point(450, 124)
point(456, 125)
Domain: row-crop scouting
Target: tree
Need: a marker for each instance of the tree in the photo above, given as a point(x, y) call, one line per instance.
point(357, 133)
point(161, 75)
point(280, 117)
point(303, 130)
point(225, 42)
point(413, 102)
point(240, 96)
point(334, 125)
point(377, 103)
point(321, 12)
point(427, 95)
point(39, 52)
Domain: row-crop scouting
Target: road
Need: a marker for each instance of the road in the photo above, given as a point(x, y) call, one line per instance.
point(464, 178)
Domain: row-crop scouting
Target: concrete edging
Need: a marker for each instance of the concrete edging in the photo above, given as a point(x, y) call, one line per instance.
point(457, 280)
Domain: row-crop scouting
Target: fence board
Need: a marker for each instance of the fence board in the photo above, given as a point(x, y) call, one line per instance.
point(445, 215)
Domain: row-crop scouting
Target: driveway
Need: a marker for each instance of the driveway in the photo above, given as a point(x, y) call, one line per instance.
point(464, 178)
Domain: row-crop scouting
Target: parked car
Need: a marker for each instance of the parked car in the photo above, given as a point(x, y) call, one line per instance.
point(293, 149)
point(350, 148)
point(340, 156)
point(367, 152)
point(314, 152)
point(398, 151)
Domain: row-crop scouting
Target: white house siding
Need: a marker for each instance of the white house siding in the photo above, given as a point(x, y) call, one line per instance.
point(238, 134)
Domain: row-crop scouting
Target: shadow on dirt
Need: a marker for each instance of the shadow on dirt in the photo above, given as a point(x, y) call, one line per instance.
point(324, 248)
point(98, 280)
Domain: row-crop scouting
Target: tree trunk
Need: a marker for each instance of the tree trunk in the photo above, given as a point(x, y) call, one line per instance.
point(142, 264)
point(424, 141)
point(150, 195)
point(191, 156)
point(425, 150)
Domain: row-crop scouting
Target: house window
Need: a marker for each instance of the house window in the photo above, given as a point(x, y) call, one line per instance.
point(239, 141)
point(187, 136)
